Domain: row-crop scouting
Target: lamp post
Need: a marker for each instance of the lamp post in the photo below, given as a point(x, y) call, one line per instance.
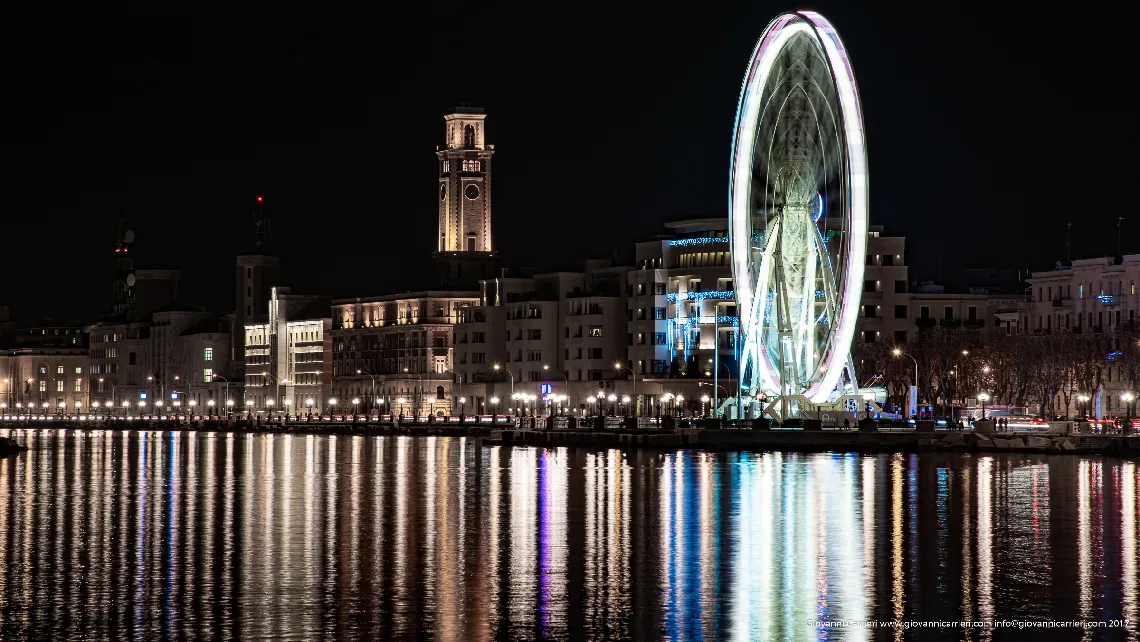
point(496, 367)
point(462, 405)
point(704, 400)
point(371, 399)
point(898, 352)
point(625, 400)
point(355, 405)
point(227, 388)
point(618, 366)
point(1127, 398)
point(983, 397)
point(1084, 399)
point(210, 403)
point(332, 407)
point(565, 379)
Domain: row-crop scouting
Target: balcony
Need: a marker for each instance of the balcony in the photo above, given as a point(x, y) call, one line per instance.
point(872, 296)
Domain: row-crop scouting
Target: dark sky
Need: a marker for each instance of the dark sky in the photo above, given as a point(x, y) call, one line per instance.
point(988, 130)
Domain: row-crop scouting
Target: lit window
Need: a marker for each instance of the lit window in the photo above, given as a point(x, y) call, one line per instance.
point(59, 369)
point(59, 385)
point(78, 385)
point(43, 386)
point(209, 355)
point(78, 370)
point(208, 375)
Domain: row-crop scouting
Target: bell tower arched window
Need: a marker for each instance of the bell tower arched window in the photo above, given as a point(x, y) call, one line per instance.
point(469, 137)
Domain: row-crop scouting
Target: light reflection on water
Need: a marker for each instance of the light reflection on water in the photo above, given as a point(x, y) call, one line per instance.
point(131, 535)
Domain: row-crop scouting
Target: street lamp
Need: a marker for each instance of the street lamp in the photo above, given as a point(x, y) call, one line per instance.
point(898, 352)
point(496, 366)
point(983, 397)
point(618, 366)
point(1127, 399)
point(704, 400)
point(462, 405)
point(1084, 399)
point(372, 399)
point(431, 406)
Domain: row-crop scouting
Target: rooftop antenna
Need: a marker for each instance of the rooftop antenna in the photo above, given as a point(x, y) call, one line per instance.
point(1069, 244)
point(260, 224)
point(1119, 221)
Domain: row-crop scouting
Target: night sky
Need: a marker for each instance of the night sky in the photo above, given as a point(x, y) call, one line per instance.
point(987, 133)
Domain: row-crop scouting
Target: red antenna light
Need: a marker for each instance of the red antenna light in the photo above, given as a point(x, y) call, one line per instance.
point(258, 199)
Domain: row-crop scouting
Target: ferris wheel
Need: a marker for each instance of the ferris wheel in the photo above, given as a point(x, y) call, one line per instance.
point(798, 212)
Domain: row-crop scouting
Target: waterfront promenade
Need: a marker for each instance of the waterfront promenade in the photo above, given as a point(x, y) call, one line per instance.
point(613, 432)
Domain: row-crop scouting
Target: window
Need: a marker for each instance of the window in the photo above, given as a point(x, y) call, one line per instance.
point(249, 273)
point(131, 359)
point(78, 370)
point(59, 385)
point(534, 355)
point(78, 385)
point(470, 242)
point(659, 314)
point(43, 386)
point(659, 288)
point(694, 285)
point(43, 369)
point(948, 313)
point(478, 357)
point(972, 313)
point(1081, 291)
point(869, 311)
point(469, 137)
point(595, 353)
point(208, 354)
point(595, 331)
point(870, 259)
point(924, 312)
point(888, 259)
point(59, 369)
point(658, 338)
point(900, 286)
point(534, 334)
point(869, 336)
point(868, 286)
point(208, 375)
point(900, 311)
point(478, 337)
point(472, 166)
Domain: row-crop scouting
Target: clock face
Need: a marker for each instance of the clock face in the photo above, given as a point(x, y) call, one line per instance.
point(442, 191)
point(471, 191)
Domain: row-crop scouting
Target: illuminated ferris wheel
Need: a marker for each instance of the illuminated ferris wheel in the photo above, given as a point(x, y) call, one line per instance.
point(798, 212)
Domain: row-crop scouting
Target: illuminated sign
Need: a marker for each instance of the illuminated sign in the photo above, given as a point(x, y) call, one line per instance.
point(142, 395)
point(545, 388)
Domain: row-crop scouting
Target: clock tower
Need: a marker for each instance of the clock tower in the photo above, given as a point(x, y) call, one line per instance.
point(463, 249)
